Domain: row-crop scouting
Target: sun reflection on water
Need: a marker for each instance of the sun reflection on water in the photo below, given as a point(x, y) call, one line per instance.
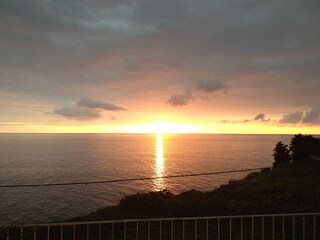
point(159, 164)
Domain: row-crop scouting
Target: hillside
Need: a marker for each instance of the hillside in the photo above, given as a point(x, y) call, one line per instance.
point(292, 187)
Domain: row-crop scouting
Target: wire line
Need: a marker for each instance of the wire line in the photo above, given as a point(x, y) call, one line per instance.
point(129, 179)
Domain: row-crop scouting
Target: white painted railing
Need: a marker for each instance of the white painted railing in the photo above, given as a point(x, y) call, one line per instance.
point(295, 226)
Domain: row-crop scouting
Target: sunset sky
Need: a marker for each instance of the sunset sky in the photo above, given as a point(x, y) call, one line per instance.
point(213, 66)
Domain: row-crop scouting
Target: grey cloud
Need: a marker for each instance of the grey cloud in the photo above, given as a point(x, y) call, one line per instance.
point(312, 116)
point(292, 117)
point(205, 86)
point(178, 100)
point(90, 103)
point(77, 113)
point(211, 86)
point(259, 117)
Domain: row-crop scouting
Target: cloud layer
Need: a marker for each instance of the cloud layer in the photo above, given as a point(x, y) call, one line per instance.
point(52, 52)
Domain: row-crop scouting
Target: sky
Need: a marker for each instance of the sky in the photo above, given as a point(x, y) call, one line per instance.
point(207, 66)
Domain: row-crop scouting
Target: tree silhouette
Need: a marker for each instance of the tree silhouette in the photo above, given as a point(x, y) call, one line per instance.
point(303, 147)
point(280, 154)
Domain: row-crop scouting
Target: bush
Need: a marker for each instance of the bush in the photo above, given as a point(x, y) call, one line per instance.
point(281, 154)
point(303, 147)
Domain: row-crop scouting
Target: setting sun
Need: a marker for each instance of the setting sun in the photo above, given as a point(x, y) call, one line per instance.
point(163, 127)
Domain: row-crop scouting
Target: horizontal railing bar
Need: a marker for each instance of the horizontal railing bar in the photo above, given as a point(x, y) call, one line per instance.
point(168, 219)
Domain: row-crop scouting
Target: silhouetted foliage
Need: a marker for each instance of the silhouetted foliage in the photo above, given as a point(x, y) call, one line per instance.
point(281, 154)
point(291, 188)
point(303, 147)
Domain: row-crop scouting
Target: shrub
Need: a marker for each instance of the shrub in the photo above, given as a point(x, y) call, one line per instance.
point(303, 147)
point(281, 154)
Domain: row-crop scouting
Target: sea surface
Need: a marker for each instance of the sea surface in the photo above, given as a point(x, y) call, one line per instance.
point(61, 158)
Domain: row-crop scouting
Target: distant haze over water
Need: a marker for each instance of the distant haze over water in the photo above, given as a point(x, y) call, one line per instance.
point(51, 158)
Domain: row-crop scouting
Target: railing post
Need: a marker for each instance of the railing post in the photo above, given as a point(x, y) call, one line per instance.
point(262, 226)
point(34, 233)
point(293, 228)
point(112, 231)
point(283, 228)
point(171, 229)
point(148, 230)
point(160, 230)
point(48, 233)
point(88, 229)
point(252, 228)
point(230, 228)
point(99, 231)
point(8, 235)
point(273, 228)
point(137, 231)
point(183, 227)
point(125, 230)
point(74, 232)
point(61, 232)
point(195, 229)
point(21, 233)
point(303, 228)
point(314, 227)
point(218, 228)
point(241, 228)
point(207, 229)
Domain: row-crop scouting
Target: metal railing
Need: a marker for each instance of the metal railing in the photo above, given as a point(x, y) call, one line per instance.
point(296, 226)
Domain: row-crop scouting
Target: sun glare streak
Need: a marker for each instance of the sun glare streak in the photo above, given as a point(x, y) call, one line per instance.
point(159, 164)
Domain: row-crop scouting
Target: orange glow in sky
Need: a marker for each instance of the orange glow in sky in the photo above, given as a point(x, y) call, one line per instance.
point(162, 127)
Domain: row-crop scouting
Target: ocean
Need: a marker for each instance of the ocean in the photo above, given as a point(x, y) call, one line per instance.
point(61, 158)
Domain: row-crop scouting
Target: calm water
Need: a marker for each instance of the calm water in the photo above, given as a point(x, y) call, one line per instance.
point(49, 158)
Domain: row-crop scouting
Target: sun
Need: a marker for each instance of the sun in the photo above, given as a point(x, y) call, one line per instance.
point(161, 127)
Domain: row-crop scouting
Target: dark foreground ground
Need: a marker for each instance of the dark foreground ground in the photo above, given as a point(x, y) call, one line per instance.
point(290, 188)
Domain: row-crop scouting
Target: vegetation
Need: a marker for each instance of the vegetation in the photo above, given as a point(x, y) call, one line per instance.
point(291, 186)
point(281, 154)
point(302, 149)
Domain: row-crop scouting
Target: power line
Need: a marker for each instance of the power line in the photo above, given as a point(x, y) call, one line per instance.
point(129, 179)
